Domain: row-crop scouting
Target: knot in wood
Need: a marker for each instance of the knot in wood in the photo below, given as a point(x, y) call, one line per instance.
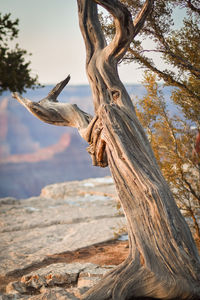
point(97, 148)
point(115, 96)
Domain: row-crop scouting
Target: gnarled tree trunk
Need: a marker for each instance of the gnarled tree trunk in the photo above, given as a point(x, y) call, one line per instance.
point(163, 261)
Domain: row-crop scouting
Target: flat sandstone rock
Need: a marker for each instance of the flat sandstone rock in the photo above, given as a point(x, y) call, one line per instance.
point(65, 217)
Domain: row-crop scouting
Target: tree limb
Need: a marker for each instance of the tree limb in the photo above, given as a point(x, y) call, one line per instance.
point(141, 17)
point(55, 92)
point(167, 50)
point(182, 62)
point(90, 28)
point(191, 190)
point(192, 7)
point(50, 111)
point(125, 28)
point(101, 62)
point(166, 76)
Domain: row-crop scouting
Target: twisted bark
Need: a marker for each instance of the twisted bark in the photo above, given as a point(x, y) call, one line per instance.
point(163, 261)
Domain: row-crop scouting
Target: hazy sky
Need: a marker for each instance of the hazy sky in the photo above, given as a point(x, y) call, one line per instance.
point(49, 30)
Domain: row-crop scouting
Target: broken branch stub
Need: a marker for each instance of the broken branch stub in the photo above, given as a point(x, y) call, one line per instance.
point(55, 92)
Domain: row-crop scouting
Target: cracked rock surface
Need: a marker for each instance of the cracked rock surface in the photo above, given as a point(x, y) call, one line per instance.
point(57, 281)
point(65, 217)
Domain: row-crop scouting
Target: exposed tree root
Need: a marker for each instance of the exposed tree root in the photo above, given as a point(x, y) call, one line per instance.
point(131, 280)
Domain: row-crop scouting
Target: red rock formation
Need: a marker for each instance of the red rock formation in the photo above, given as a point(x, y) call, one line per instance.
point(45, 153)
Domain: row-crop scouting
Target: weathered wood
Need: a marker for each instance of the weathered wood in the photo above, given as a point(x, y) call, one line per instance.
point(163, 261)
point(50, 111)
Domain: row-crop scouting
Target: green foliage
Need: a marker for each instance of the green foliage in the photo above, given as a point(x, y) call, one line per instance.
point(176, 44)
point(15, 73)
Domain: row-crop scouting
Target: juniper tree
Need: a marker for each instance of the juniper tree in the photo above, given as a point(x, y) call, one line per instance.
point(163, 261)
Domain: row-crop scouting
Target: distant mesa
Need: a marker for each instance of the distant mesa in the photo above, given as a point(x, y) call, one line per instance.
point(46, 153)
point(34, 154)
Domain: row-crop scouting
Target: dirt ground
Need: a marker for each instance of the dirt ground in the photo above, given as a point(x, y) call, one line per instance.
point(108, 253)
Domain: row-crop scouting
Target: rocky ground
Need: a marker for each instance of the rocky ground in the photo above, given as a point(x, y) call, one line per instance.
point(59, 244)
